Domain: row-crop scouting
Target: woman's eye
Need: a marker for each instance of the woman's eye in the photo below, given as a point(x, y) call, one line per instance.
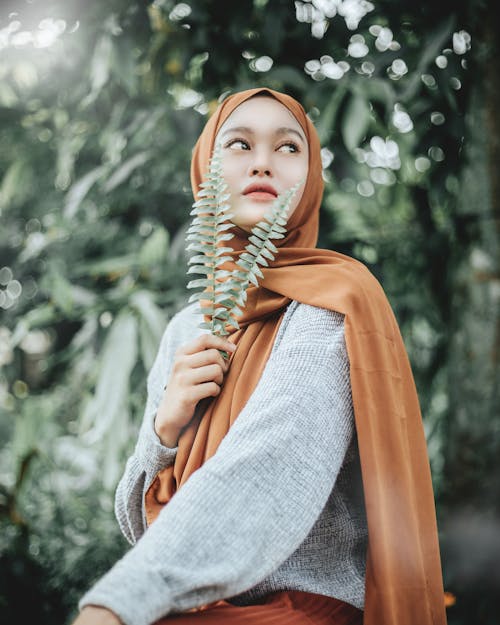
point(238, 144)
point(289, 147)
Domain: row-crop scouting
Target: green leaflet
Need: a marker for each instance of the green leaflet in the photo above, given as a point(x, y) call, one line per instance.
point(246, 257)
point(224, 292)
point(272, 248)
point(262, 229)
point(196, 284)
point(196, 296)
point(224, 250)
point(223, 227)
point(267, 253)
point(253, 249)
point(200, 259)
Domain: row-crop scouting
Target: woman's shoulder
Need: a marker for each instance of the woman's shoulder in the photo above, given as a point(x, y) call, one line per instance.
point(186, 320)
point(303, 323)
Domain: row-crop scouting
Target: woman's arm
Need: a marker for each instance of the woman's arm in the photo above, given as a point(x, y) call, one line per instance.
point(194, 372)
point(150, 455)
point(251, 505)
point(96, 615)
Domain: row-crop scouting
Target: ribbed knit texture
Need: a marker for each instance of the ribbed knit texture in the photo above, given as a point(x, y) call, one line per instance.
point(278, 507)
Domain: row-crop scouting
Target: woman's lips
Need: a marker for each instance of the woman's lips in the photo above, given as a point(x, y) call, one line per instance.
point(261, 196)
point(260, 191)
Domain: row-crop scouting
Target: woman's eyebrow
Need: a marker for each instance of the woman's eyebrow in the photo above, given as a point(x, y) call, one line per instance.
point(283, 130)
point(238, 129)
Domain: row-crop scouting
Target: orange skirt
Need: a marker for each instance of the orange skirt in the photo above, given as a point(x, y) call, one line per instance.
point(291, 607)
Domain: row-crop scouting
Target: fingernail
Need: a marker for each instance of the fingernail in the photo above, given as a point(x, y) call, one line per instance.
point(232, 346)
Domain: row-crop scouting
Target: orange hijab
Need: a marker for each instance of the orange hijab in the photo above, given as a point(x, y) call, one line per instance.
point(403, 575)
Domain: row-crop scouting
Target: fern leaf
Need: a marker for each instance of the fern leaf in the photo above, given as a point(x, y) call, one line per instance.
point(260, 246)
point(224, 292)
point(209, 227)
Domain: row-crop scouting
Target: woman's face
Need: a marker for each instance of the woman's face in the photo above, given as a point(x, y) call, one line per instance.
point(264, 153)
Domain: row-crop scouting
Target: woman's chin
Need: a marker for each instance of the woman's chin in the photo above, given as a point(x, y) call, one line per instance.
point(247, 222)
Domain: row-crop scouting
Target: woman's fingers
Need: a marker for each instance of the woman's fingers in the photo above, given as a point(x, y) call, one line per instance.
point(209, 373)
point(206, 357)
point(198, 372)
point(208, 389)
point(206, 342)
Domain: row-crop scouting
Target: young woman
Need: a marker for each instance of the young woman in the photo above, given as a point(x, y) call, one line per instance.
point(301, 493)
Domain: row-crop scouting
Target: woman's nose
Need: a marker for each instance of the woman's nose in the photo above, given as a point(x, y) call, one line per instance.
point(261, 171)
point(260, 165)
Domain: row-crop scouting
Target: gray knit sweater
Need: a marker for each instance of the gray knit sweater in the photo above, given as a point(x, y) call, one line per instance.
point(278, 507)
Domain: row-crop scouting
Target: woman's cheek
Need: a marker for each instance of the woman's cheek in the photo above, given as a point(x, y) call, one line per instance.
point(230, 176)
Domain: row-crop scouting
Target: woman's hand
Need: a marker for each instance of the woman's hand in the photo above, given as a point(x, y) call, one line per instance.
point(97, 615)
point(197, 373)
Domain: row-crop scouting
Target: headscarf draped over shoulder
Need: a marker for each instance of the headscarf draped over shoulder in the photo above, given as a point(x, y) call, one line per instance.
point(403, 576)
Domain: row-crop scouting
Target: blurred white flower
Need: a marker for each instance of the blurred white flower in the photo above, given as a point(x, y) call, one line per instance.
point(105, 319)
point(179, 12)
point(14, 289)
point(365, 188)
point(303, 12)
point(318, 28)
point(384, 38)
point(318, 12)
point(261, 64)
point(437, 118)
point(382, 176)
point(461, 42)
point(332, 70)
point(6, 275)
point(436, 153)
point(401, 120)
point(481, 260)
point(422, 164)
point(6, 301)
point(428, 80)
point(327, 7)
point(312, 66)
point(399, 67)
point(441, 61)
point(357, 47)
point(367, 67)
point(353, 11)
point(326, 157)
point(36, 342)
point(326, 67)
point(184, 97)
point(49, 31)
point(384, 153)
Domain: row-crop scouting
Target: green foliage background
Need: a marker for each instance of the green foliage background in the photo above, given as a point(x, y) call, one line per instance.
point(96, 132)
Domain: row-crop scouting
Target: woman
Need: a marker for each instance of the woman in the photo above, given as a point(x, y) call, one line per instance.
point(257, 506)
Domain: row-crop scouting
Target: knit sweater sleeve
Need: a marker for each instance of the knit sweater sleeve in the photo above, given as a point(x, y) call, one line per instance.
point(251, 505)
point(150, 455)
